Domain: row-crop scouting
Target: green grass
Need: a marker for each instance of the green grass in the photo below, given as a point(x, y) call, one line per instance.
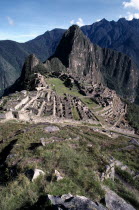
point(91, 104)
point(79, 163)
point(132, 115)
point(75, 113)
point(58, 86)
point(121, 189)
point(128, 178)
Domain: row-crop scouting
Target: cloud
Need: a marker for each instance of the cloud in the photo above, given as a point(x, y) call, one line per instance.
point(72, 22)
point(130, 16)
point(132, 3)
point(79, 22)
point(10, 21)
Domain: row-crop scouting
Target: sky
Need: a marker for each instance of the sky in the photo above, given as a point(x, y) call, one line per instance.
point(23, 20)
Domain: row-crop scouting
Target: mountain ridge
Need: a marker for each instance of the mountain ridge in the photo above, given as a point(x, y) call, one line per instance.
point(99, 65)
point(83, 60)
point(62, 125)
point(107, 34)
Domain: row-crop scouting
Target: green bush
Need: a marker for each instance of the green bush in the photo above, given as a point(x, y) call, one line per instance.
point(133, 115)
point(127, 177)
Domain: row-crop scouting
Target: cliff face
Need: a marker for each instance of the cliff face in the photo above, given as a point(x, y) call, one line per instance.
point(78, 55)
point(122, 36)
point(26, 76)
point(120, 73)
point(13, 55)
point(97, 65)
point(88, 63)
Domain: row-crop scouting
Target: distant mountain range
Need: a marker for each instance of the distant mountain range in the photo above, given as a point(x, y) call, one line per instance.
point(122, 36)
point(87, 63)
point(13, 55)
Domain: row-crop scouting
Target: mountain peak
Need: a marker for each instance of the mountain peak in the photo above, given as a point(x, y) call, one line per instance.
point(74, 28)
point(73, 31)
point(122, 20)
point(72, 40)
point(104, 20)
point(28, 67)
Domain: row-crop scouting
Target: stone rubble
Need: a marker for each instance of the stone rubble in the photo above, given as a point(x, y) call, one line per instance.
point(114, 202)
point(109, 172)
point(58, 175)
point(69, 202)
point(51, 129)
point(37, 173)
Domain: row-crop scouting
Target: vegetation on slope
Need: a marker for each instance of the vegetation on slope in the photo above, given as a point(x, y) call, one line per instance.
point(80, 156)
point(133, 115)
point(60, 88)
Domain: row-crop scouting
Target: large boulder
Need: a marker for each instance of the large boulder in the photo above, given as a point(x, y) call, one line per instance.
point(73, 202)
point(58, 176)
point(114, 202)
point(34, 174)
point(51, 129)
point(37, 173)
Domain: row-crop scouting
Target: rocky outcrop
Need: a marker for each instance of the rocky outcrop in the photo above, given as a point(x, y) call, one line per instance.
point(78, 55)
point(96, 65)
point(37, 173)
point(68, 201)
point(77, 62)
point(27, 78)
point(33, 174)
point(85, 61)
point(73, 202)
point(58, 176)
point(121, 36)
point(55, 65)
point(51, 129)
point(114, 202)
point(109, 172)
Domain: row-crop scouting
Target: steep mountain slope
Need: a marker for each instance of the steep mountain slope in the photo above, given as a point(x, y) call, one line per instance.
point(80, 70)
point(61, 136)
point(79, 155)
point(97, 65)
point(7, 77)
point(44, 45)
point(13, 55)
point(122, 36)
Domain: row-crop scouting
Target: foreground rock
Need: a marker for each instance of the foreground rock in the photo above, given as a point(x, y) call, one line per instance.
point(51, 129)
point(114, 202)
point(58, 176)
point(73, 202)
point(68, 201)
point(37, 173)
point(109, 173)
